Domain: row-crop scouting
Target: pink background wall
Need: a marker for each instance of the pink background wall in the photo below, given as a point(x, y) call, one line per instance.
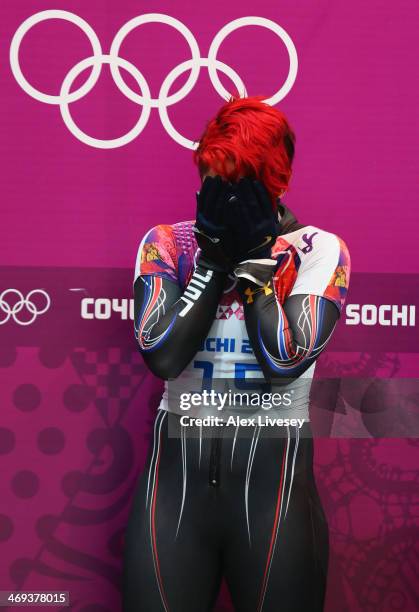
point(77, 400)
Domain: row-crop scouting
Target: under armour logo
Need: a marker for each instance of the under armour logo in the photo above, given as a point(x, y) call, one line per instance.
point(309, 242)
point(251, 292)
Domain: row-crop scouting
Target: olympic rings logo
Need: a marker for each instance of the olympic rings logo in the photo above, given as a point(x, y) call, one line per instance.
point(164, 100)
point(12, 311)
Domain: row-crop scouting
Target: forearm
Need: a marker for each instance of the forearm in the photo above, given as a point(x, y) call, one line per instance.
point(171, 324)
point(286, 338)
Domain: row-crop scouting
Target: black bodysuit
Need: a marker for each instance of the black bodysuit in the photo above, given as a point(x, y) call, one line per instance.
point(240, 504)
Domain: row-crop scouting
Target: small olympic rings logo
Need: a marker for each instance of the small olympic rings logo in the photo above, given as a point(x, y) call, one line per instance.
point(164, 100)
point(12, 311)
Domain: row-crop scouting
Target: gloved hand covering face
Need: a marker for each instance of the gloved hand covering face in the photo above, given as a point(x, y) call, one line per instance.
point(234, 222)
point(252, 222)
point(211, 232)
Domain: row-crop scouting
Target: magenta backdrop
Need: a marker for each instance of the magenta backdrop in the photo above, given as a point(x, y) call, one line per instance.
point(77, 401)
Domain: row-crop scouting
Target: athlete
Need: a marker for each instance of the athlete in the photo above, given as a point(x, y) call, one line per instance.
point(243, 291)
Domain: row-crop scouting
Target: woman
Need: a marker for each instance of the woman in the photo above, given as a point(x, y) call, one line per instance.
point(244, 290)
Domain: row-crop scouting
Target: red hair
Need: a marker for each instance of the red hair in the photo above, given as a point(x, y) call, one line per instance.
point(256, 137)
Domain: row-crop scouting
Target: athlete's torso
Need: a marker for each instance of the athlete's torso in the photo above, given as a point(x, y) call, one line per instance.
point(310, 260)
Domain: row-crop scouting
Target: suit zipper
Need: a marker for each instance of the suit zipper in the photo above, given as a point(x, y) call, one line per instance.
point(214, 466)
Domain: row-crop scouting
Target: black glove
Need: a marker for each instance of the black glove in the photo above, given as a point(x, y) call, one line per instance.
point(211, 232)
point(253, 223)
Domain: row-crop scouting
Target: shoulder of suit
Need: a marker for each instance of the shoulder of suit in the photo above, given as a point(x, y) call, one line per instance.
point(313, 236)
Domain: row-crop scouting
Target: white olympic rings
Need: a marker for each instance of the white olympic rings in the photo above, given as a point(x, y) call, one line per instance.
point(164, 100)
point(12, 311)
